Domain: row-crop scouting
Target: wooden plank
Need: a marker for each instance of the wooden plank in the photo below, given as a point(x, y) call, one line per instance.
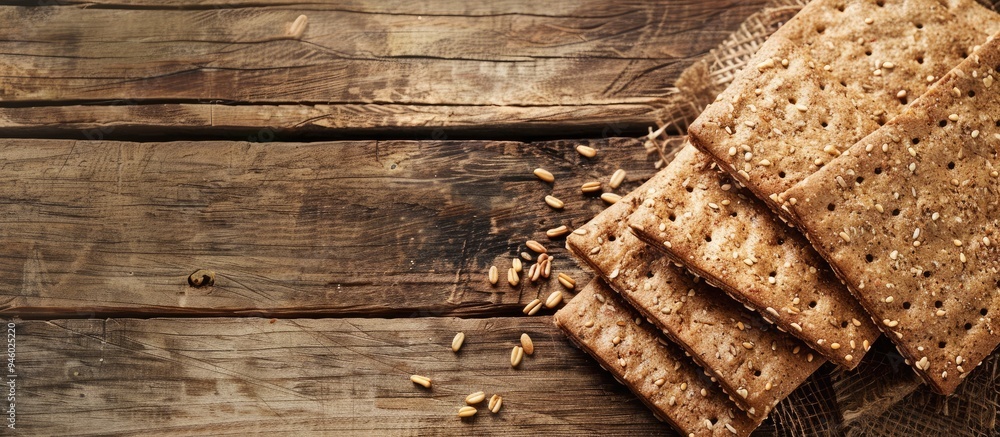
point(358, 65)
point(233, 376)
point(338, 228)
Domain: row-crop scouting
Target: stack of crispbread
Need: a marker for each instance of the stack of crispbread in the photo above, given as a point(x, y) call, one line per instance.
point(872, 126)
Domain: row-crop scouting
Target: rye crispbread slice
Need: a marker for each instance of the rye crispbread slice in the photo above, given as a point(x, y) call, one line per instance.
point(910, 219)
point(755, 364)
point(601, 324)
point(699, 218)
point(778, 123)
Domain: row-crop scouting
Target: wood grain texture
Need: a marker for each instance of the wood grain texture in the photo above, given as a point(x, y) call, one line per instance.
point(358, 65)
point(326, 229)
point(233, 376)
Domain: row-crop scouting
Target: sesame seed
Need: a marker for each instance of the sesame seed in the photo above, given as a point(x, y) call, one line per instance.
point(827, 67)
point(885, 147)
point(953, 117)
point(975, 134)
point(610, 198)
point(869, 20)
point(888, 299)
point(516, 355)
point(958, 360)
point(747, 156)
point(913, 152)
point(557, 232)
point(890, 323)
point(532, 307)
point(740, 325)
point(957, 92)
point(797, 327)
point(742, 392)
point(916, 233)
point(494, 275)
point(599, 297)
point(475, 398)
point(893, 254)
point(731, 429)
point(713, 205)
point(834, 346)
point(512, 278)
point(796, 349)
point(456, 343)
point(421, 380)
point(586, 151)
point(845, 237)
point(732, 151)
point(748, 345)
point(496, 401)
point(773, 311)
point(684, 386)
point(589, 324)
point(986, 241)
point(935, 216)
point(961, 257)
point(856, 322)
point(841, 182)
point(617, 178)
point(554, 299)
point(748, 261)
point(940, 313)
point(848, 358)
point(913, 167)
point(544, 175)
point(877, 72)
point(725, 202)
point(801, 107)
point(878, 207)
point(768, 386)
point(809, 358)
point(784, 62)
point(888, 65)
point(957, 242)
point(704, 392)
point(765, 65)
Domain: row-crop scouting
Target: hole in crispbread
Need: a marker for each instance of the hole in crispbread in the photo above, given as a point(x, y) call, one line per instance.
point(968, 326)
point(650, 274)
point(708, 238)
point(998, 123)
point(791, 100)
point(903, 100)
point(781, 174)
point(859, 179)
point(920, 59)
point(672, 217)
point(782, 241)
point(820, 29)
point(927, 273)
point(812, 304)
point(943, 123)
point(895, 211)
point(942, 344)
point(714, 420)
point(612, 238)
point(919, 25)
point(906, 305)
point(689, 189)
point(951, 166)
point(840, 8)
point(843, 324)
point(831, 207)
point(880, 3)
point(824, 124)
point(868, 52)
point(983, 311)
point(938, 304)
point(915, 141)
point(869, 258)
point(733, 214)
point(878, 170)
point(822, 87)
point(843, 83)
point(972, 93)
point(772, 274)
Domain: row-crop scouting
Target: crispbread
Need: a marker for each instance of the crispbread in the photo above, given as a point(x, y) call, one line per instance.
point(699, 218)
point(912, 212)
point(755, 364)
point(601, 324)
point(777, 124)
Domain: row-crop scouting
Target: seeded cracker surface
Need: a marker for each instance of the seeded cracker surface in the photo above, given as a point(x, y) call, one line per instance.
point(851, 65)
point(755, 364)
point(910, 219)
point(699, 218)
point(596, 316)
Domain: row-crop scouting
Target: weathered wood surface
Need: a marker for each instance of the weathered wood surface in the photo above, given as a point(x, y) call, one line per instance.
point(321, 229)
point(233, 376)
point(513, 68)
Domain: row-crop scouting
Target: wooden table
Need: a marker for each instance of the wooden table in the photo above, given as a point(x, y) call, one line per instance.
point(345, 188)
